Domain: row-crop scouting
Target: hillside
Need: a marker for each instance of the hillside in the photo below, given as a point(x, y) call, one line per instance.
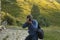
point(15, 11)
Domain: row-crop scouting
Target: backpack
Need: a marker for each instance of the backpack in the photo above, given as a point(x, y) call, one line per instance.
point(40, 32)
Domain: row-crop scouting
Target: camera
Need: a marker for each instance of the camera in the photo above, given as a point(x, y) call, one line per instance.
point(30, 19)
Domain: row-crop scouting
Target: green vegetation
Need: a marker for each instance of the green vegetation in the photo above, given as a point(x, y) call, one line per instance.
point(52, 33)
point(15, 11)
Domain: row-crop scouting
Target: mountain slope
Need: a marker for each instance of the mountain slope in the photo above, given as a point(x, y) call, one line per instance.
point(19, 9)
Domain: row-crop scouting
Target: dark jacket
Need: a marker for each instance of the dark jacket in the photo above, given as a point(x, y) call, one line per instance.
point(32, 28)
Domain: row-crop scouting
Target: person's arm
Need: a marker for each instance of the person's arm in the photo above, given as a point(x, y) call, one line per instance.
point(35, 25)
point(25, 25)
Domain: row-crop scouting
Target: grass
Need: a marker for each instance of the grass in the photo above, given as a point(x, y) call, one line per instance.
point(52, 33)
point(19, 9)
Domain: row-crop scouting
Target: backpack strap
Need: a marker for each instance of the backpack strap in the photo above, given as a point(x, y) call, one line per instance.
point(39, 26)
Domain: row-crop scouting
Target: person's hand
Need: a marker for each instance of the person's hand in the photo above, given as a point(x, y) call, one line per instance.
point(29, 22)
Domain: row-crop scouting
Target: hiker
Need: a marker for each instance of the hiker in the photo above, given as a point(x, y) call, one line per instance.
point(32, 25)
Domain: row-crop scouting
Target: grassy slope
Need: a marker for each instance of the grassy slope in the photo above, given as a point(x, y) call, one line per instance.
point(50, 10)
point(52, 33)
point(20, 8)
